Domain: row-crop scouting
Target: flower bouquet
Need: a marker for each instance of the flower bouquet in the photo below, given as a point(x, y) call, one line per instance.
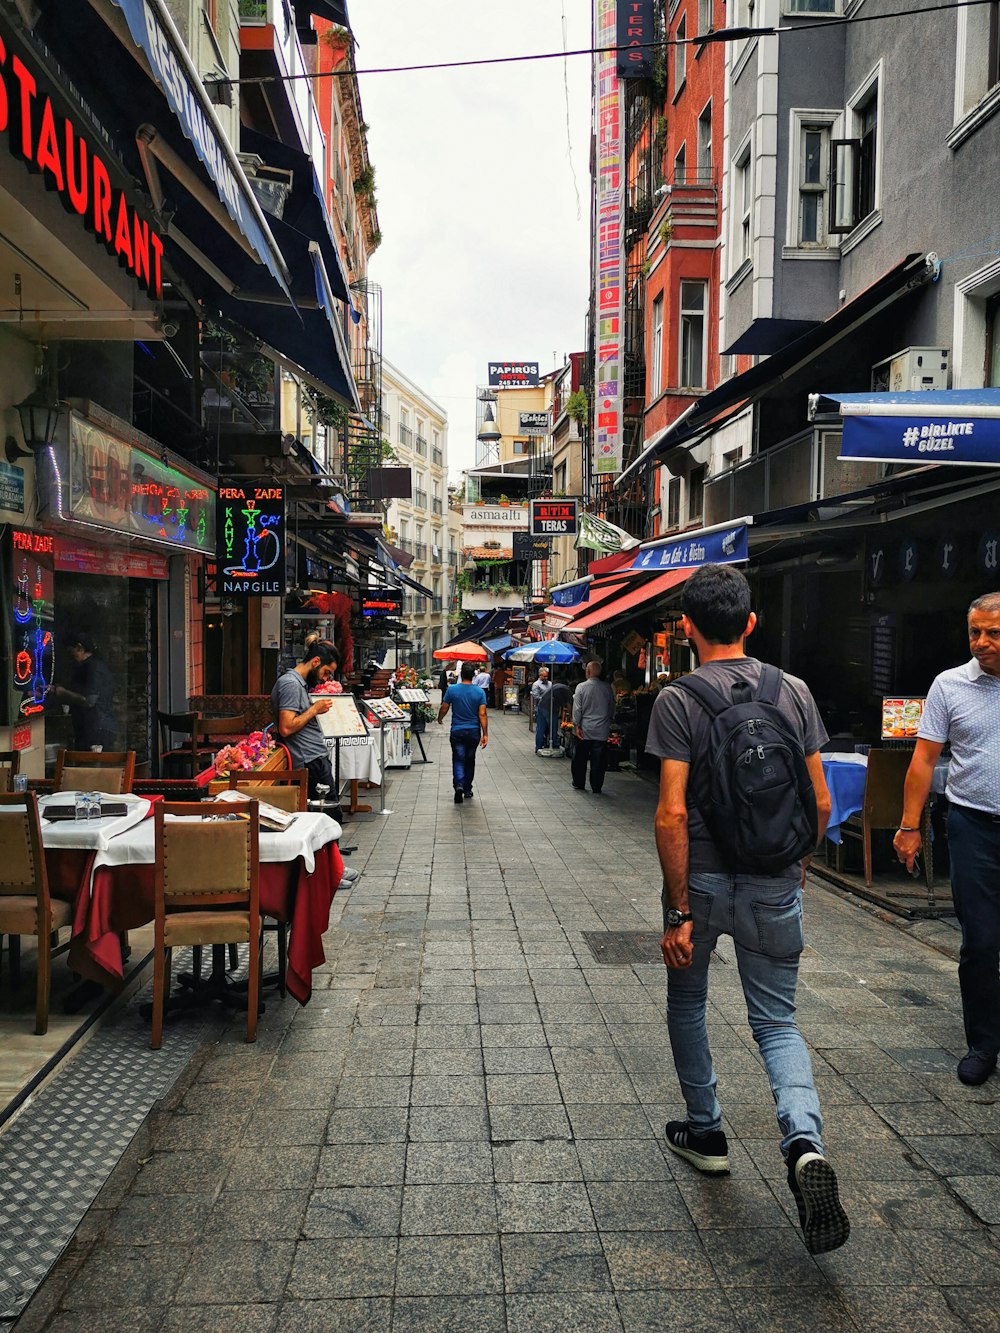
point(328, 687)
point(250, 753)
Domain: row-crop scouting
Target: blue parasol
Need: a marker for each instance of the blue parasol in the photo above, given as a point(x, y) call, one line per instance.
point(549, 652)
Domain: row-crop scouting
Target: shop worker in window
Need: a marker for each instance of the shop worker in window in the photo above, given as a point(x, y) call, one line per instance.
point(90, 696)
point(963, 711)
point(295, 715)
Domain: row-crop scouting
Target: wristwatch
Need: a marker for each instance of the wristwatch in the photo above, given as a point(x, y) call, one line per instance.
point(676, 918)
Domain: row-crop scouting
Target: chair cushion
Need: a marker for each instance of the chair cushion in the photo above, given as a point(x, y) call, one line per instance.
point(19, 914)
point(206, 928)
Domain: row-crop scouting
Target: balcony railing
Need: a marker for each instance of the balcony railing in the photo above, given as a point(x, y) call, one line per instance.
point(435, 603)
point(437, 456)
point(421, 446)
point(437, 507)
point(420, 551)
point(420, 499)
point(405, 436)
point(799, 471)
point(406, 545)
point(453, 559)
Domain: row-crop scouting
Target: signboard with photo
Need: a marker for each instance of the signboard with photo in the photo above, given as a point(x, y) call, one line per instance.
point(901, 717)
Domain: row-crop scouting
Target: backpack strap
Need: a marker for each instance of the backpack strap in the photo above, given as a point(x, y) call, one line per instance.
point(769, 686)
point(712, 700)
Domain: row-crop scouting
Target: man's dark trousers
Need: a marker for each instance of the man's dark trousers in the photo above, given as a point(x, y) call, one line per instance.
point(596, 752)
point(974, 848)
point(464, 744)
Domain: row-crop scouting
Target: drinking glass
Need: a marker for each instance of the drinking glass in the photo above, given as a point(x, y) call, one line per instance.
point(94, 798)
point(81, 806)
point(20, 782)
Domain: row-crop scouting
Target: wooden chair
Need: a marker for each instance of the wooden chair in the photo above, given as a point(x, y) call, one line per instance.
point(10, 766)
point(883, 809)
point(185, 755)
point(207, 877)
point(287, 789)
point(25, 905)
point(110, 771)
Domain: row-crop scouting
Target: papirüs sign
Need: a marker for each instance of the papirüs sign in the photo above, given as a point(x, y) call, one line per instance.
point(726, 547)
point(974, 441)
point(513, 374)
point(65, 154)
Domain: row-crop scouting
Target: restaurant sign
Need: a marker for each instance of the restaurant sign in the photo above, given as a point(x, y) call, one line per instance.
point(973, 441)
point(250, 524)
point(573, 594)
point(553, 518)
point(528, 547)
point(11, 487)
point(116, 485)
point(32, 621)
point(635, 39)
point(67, 156)
point(728, 546)
point(532, 423)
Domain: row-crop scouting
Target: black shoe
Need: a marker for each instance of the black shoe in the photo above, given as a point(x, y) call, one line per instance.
point(578, 786)
point(598, 791)
point(813, 1183)
point(708, 1152)
point(467, 795)
point(458, 796)
point(976, 1068)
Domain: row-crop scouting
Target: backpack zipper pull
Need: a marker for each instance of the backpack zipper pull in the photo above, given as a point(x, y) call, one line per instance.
point(760, 752)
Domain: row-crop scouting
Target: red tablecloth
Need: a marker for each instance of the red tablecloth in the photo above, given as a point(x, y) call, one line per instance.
point(122, 898)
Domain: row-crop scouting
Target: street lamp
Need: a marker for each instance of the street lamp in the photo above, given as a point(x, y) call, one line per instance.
point(39, 420)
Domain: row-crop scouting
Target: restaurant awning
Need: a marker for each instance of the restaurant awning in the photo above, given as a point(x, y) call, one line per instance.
point(949, 426)
point(412, 583)
point(629, 602)
point(714, 409)
point(598, 596)
point(497, 644)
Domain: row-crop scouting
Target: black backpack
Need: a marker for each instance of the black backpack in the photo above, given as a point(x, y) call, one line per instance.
point(761, 805)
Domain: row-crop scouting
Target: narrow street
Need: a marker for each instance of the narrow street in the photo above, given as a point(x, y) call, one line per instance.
point(464, 1129)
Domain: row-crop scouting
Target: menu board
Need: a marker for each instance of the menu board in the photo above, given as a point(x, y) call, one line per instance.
point(343, 718)
point(883, 653)
point(387, 710)
point(413, 696)
point(901, 717)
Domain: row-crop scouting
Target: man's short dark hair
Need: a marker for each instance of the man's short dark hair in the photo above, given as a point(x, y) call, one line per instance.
point(717, 600)
point(468, 670)
point(85, 642)
point(988, 602)
point(324, 650)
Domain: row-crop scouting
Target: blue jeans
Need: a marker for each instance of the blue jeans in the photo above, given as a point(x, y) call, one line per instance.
point(464, 744)
point(543, 735)
point(974, 848)
point(763, 915)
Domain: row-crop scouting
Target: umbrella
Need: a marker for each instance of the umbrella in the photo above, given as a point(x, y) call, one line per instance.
point(550, 652)
point(462, 652)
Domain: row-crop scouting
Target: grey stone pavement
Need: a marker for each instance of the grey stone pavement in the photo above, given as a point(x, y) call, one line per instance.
point(463, 1130)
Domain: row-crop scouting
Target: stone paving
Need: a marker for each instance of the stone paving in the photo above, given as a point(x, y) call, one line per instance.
point(463, 1130)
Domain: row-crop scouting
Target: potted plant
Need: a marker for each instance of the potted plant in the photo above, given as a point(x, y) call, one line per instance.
point(504, 501)
point(338, 39)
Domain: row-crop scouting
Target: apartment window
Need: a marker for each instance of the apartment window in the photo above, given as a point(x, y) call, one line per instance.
point(993, 342)
point(656, 350)
point(705, 23)
point(674, 503)
point(520, 446)
point(693, 349)
point(705, 146)
point(680, 166)
point(680, 57)
point(854, 163)
point(814, 151)
point(696, 493)
point(211, 13)
point(978, 73)
point(744, 206)
point(811, 7)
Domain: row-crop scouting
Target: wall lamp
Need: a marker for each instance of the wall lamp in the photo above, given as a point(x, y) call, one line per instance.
point(39, 420)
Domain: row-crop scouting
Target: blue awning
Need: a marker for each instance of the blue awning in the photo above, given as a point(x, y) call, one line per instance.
point(498, 644)
point(948, 426)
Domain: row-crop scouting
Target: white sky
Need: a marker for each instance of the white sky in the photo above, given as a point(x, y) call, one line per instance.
point(483, 254)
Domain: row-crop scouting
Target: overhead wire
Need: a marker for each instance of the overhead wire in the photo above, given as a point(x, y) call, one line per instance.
point(702, 39)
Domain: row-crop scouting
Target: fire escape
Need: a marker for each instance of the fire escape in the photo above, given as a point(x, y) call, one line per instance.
point(363, 449)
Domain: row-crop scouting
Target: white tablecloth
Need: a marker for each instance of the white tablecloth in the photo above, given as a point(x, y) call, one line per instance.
point(96, 834)
point(304, 838)
point(358, 758)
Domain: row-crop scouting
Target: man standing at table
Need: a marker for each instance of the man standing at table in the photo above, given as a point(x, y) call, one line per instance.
point(963, 709)
point(593, 713)
point(469, 729)
point(540, 695)
point(709, 889)
point(295, 715)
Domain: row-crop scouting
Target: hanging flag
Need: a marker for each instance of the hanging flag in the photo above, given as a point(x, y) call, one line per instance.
point(597, 534)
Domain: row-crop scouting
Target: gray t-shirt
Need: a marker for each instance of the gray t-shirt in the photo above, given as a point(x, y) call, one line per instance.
point(679, 728)
point(307, 744)
point(594, 709)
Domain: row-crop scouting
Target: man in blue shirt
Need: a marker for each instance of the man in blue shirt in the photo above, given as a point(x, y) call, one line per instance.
point(469, 727)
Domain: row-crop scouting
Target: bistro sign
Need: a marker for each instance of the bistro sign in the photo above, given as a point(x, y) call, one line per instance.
point(725, 547)
point(65, 156)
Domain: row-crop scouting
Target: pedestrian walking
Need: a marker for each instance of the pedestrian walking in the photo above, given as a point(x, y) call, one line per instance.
point(540, 696)
point(593, 713)
point(742, 805)
point(963, 711)
point(499, 681)
point(469, 730)
point(483, 682)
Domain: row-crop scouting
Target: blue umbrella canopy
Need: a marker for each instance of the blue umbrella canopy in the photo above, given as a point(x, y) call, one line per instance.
point(549, 652)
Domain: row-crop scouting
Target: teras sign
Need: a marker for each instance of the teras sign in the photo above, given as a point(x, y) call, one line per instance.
point(553, 518)
point(65, 155)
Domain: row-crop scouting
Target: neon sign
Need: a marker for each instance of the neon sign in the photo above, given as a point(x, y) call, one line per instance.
point(32, 617)
point(250, 522)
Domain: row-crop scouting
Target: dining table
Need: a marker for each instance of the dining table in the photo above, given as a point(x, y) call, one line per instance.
point(106, 869)
point(845, 775)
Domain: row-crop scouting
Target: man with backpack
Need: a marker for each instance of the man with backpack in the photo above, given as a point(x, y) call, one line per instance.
point(743, 804)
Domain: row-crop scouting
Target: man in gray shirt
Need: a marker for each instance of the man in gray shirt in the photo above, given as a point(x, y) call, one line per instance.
point(295, 715)
point(963, 710)
point(593, 713)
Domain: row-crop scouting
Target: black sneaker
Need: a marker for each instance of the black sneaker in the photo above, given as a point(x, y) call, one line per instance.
point(813, 1182)
point(467, 795)
point(458, 796)
point(975, 1068)
point(708, 1152)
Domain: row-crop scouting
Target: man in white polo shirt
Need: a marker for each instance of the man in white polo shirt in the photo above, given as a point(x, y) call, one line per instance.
point(963, 710)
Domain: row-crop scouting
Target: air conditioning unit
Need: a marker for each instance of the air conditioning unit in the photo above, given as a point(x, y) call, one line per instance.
point(913, 369)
